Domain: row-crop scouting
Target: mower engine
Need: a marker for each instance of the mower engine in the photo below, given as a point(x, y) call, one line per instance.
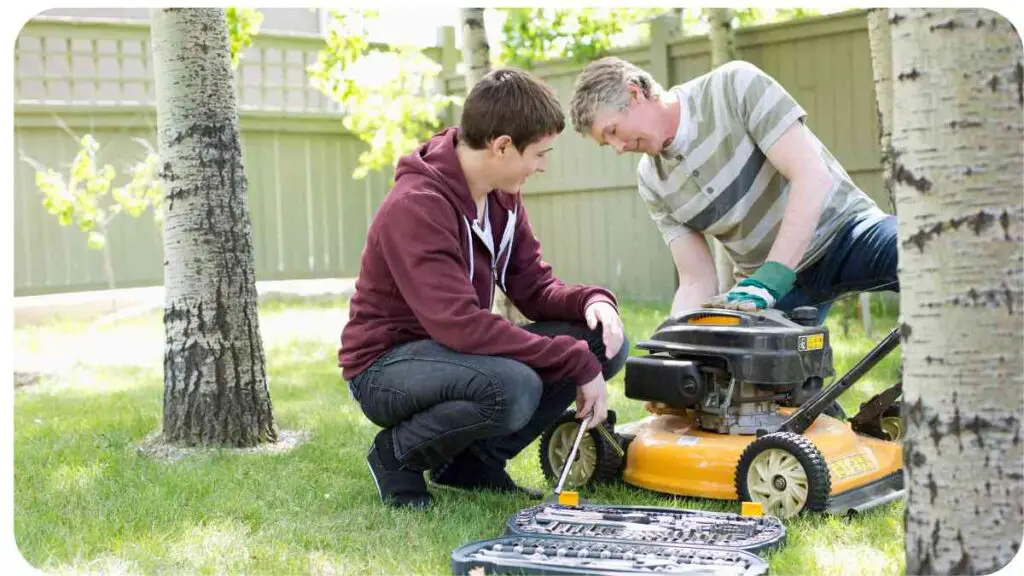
point(733, 369)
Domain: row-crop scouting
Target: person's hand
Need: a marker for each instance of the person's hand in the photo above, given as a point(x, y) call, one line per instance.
point(762, 290)
point(592, 400)
point(611, 325)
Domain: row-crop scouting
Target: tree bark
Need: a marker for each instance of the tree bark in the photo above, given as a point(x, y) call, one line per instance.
point(476, 56)
point(881, 66)
point(476, 53)
point(722, 50)
point(215, 387)
point(721, 36)
point(958, 91)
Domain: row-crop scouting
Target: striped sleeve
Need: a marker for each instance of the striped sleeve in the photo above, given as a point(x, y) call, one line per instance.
point(759, 102)
point(668, 226)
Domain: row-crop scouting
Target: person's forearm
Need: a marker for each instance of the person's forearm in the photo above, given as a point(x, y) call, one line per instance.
point(806, 199)
point(693, 294)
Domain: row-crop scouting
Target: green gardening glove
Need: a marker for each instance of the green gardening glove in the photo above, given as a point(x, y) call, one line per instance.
point(761, 290)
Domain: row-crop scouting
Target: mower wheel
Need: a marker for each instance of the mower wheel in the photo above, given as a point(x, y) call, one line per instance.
point(596, 460)
point(892, 422)
point(786, 473)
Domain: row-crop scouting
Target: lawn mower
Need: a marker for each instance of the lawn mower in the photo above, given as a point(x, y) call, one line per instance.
point(739, 410)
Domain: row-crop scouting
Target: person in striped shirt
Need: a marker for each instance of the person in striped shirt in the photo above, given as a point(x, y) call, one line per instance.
point(728, 154)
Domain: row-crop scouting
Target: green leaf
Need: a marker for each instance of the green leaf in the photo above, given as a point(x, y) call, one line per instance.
point(96, 241)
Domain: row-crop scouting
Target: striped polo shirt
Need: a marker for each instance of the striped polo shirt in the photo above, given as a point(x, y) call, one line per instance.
point(714, 178)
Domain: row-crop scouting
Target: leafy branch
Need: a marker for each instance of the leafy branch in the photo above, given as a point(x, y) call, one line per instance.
point(243, 24)
point(88, 199)
point(532, 35)
point(392, 113)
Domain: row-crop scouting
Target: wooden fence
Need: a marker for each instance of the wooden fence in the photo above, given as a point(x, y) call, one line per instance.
point(310, 216)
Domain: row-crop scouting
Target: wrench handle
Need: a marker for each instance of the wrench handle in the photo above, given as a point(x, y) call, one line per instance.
point(572, 454)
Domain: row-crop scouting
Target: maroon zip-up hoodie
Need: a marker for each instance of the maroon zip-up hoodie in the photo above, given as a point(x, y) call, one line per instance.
point(426, 273)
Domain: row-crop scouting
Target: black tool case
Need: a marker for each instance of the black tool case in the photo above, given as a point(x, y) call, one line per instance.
point(597, 539)
point(552, 555)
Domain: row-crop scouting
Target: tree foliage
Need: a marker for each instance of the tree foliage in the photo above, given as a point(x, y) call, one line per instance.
point(243, 24)
point(88, 199)
point(532, 35)
point(391, 113)
point(754, 16)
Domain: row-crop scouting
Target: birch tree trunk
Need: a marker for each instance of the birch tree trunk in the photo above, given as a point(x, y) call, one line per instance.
point(215, 387)
point(722, 51)
point(476, 56)
point(881, 66)
point(958, 91)
point(476, 53)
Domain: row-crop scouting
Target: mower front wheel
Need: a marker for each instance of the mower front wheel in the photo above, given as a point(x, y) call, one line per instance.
point(786, 473)
point(596, 460)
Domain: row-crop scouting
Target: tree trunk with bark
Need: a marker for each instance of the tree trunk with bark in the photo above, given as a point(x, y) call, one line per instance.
point(722, 50)
point(881, 65)
point(958, 99)
point(215, 386)
point(476, 53)
point(476, 56)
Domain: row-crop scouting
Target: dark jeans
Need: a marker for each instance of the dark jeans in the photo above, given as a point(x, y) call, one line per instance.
point(862, 258)
point(438, 402)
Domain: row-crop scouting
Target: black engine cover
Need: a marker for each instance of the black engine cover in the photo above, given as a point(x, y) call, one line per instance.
point(764, 347)
point(658, 379)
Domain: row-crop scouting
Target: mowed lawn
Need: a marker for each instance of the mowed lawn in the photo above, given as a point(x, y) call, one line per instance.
point(87, 501)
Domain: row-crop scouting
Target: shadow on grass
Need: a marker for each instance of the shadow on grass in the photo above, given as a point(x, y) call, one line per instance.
point(85, 500)
point(81, 492)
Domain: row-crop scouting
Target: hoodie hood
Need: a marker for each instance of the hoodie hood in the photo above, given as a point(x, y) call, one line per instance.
point(437, 161)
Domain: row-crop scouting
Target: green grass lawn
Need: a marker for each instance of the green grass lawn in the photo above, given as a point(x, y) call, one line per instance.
point(86, 500)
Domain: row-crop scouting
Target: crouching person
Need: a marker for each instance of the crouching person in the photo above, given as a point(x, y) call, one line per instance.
point(456, 389)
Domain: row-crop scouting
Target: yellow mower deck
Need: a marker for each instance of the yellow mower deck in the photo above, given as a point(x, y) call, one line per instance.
point(669, 453)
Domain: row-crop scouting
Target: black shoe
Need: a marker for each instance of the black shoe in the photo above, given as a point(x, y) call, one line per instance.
point(470, 473)
point(397, 486)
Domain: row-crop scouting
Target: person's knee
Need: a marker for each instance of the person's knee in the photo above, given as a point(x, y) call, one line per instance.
point(518, 391)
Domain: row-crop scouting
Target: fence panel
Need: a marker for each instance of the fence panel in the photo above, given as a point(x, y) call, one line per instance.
point(310, 216)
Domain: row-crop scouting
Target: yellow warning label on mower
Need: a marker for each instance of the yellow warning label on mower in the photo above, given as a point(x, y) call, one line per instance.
point(850, 466)
point(812, 342)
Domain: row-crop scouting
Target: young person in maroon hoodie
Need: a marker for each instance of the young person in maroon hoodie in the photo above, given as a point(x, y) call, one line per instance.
point(457, 389)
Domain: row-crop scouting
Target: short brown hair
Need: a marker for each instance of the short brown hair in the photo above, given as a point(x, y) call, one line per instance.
point(604, 83)
point(513, 102)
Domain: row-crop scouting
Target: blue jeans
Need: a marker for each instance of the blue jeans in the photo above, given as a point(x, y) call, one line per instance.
point(438, 402)
point(862, 258)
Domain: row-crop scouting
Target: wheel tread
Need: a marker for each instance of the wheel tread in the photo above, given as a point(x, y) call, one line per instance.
point(819, 481)
point(608, 462)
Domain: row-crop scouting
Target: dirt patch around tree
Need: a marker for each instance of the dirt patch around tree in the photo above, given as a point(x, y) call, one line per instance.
point(154, 447)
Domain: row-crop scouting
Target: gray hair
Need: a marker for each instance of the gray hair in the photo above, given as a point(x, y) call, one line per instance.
point(604, 83)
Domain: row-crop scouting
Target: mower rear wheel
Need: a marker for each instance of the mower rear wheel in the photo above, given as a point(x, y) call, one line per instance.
point(786, 473)
point(596, 460)
point(892, 422)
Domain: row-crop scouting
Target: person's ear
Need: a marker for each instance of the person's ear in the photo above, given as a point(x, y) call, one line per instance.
point(500, 145)
point(636, 93)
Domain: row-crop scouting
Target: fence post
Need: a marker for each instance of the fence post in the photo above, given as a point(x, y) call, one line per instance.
point(865, 312)
point(449, 62)
point(662, 29)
